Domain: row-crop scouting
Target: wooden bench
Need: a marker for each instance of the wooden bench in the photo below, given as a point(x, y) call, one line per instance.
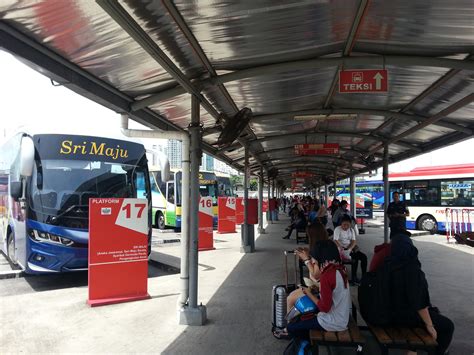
point(301, 236)
point(403, 338)
point(347, 338)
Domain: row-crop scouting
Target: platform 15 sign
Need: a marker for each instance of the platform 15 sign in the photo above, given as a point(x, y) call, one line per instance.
point(363, 81)
point(317, 149)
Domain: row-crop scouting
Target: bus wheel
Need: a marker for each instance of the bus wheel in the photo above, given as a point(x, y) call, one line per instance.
point(428, 223)
point(11, 248)
point(160, 220)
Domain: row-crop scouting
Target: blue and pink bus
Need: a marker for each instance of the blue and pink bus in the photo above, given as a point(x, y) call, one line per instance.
point(46, 181)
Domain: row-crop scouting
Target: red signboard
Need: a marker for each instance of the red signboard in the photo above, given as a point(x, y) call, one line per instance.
point(363, 81)
point(302, 174)
point(317, 149)
point(252, 211)
point(206, 217)
point(118, 250)
point(226, 215)
point(239, 210)
point(265, 205)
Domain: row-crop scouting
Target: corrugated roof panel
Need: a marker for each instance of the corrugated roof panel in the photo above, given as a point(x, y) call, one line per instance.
point(417, 27)
point(84, 34)
point(243, 33)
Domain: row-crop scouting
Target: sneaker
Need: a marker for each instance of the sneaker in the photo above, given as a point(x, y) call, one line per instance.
point(286, 237)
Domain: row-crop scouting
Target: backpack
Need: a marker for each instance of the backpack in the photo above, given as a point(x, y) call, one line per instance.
point(374, 296)
point(298, 346)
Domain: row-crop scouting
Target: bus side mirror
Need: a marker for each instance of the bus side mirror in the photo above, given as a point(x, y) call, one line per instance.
point(16, 190)
point(27, 156)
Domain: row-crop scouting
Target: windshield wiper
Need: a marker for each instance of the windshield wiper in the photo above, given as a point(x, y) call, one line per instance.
point(54, 219)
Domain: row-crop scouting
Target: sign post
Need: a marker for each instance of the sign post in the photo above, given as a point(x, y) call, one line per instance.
point(363, 81)
point(226, 215)
point(206, 221)
point(118, 250)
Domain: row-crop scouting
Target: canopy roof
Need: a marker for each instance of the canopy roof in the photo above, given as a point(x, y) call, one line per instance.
point(279, 58)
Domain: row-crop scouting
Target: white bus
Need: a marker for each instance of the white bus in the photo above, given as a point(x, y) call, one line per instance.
point(429, 192)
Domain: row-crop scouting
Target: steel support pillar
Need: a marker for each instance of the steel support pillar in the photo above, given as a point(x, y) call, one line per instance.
point(335, 184)
point(326, 195)
point(353, 195)
point(386, 192)
point(269, 213)
point(247, 245)
point(261, 230)
point(194, 314)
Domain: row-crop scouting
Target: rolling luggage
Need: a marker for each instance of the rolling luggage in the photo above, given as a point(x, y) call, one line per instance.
point(280, 293)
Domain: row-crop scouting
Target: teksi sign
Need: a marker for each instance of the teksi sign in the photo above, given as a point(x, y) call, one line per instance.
point(363, 81)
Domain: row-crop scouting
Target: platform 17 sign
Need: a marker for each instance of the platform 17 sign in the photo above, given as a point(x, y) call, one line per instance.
point(363, 81)
point(317, 149)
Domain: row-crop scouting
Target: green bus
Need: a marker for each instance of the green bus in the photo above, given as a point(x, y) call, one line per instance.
point(166, 196)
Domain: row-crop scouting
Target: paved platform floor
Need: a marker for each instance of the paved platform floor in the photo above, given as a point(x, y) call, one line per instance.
point(236, 289)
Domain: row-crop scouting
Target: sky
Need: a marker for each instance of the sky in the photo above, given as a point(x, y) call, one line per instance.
point(29, 99)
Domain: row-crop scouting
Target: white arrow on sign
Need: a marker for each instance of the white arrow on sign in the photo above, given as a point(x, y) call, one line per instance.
point(378, 81)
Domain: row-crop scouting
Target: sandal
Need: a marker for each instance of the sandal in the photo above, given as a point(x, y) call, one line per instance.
point(281, 334)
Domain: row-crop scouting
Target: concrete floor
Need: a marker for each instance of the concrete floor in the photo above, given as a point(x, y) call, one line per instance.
point(236, 289)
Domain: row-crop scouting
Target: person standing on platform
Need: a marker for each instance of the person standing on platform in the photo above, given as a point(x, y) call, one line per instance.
point(397, 212)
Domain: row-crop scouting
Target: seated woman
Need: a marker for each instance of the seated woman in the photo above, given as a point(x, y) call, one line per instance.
point(410, 297)
point(345, 238)
point(315, 233)
point(334, 303)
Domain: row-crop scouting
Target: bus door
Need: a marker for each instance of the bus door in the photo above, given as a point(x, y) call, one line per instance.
point(170, 214)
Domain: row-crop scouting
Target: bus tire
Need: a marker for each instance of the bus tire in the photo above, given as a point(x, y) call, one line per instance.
point(11, 248)
point(160, 220)
point(427, 223)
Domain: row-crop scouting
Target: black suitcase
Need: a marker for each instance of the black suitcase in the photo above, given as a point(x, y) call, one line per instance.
point(280, 293)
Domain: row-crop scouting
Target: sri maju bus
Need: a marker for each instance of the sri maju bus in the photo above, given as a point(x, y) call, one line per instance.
point(46, 181)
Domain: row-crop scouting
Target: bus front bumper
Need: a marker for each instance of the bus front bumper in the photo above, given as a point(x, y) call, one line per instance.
point(51, 258)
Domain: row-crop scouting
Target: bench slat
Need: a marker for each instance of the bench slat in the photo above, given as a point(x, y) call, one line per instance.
point(381, 335)
point(413, 339)
point(355, 332)
point(423, 334)
point(344, 337)
point(330, 336)
point(396, 335)
point(315, 334)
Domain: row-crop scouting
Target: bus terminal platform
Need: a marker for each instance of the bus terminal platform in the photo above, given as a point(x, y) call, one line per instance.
point(236, 289)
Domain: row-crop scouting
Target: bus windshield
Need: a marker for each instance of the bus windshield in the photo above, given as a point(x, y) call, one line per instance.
point(60, 189)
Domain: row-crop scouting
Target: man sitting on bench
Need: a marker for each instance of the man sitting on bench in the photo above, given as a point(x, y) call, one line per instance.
point(299, 221)
point(345, 238)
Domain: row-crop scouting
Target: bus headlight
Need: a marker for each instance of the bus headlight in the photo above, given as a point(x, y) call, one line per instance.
point(48, 237)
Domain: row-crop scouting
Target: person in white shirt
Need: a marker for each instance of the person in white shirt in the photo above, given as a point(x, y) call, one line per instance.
point(345, 238)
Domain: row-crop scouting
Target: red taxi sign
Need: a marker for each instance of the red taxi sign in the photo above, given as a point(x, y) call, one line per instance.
point(363, 81)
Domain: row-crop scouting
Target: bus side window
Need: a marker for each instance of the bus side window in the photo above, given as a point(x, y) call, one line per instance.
point(170, 192)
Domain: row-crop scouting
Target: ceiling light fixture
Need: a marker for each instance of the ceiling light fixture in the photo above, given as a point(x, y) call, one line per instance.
point(325, 117)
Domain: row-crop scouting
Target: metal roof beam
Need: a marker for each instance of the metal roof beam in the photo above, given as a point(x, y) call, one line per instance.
point(361, 111)
point(351, 39)
point(317, 63)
